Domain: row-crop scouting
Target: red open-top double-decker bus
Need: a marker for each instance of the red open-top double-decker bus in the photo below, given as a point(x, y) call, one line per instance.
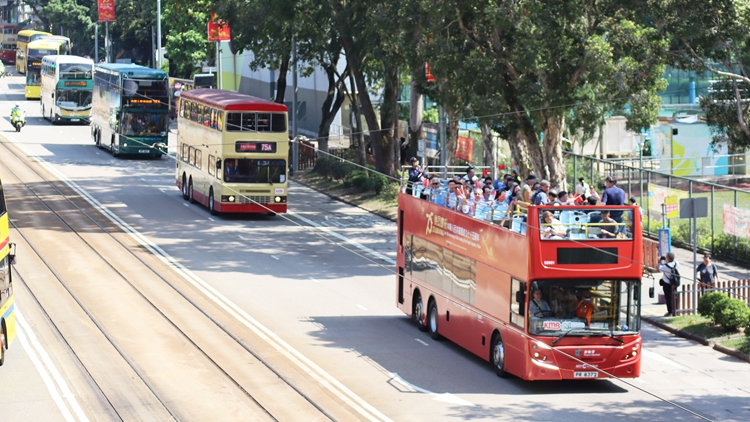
point(474, 280)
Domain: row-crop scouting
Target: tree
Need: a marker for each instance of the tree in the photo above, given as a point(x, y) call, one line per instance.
point(712, 36)
point(533, 63)
point(184, 24)
point(72, 18)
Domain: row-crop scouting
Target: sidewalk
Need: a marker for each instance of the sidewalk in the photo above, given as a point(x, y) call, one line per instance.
point(653, 312)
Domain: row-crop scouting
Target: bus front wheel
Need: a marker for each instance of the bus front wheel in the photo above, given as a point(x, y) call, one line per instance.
point(2, 348)
point(432, 321)
point(498, 356)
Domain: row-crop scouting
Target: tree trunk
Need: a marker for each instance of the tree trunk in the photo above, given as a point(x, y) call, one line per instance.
point(415, 120)
point(490, 149)
point(370, 116)
point(281, 82)
point(357, 133)
point(452, 136)
point(519, 153)
point(384, 150)
point(553, 128)
point(335, 96)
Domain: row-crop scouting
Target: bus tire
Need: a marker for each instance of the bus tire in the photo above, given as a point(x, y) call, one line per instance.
point(98, 139)
point(2, 347)
point(112, 147)
point(497, 355)
point(432, 321)
point(184, 187)
point(190, 191)
point(417, 311)
point(211, 206)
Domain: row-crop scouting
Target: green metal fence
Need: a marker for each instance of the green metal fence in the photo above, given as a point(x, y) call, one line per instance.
point(649, 186)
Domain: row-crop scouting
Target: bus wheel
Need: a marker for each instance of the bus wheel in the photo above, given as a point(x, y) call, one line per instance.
point(112, 148)
point(190, 191)
point(497, 356)
point(211, 205)
point(432, 321)
point(2, 348)
point(417, 312)
point(98, 139)
point(184, 187)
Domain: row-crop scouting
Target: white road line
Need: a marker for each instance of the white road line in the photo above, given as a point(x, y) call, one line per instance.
point(275, 257)
point(313, 279)
point(343, 238)
point(211, 219)
point(185, 204)
point(313, 370)
point(241, 237)
point(420, 341)
point(445, 397)
point(48, 371)
point(361, 307)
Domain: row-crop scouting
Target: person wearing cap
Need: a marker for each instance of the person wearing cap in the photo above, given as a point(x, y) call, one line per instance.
point(416, 175)
point(582, 189)
point(613, 195)
point(526, 187)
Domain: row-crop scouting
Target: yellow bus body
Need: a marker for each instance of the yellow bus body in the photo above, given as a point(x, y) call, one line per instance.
point(24, 38)
point(34, 66)
point(7, 303)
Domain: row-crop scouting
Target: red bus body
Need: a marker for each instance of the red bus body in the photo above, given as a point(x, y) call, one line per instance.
point(478, 275)
point(9, 43)
point(216, 127)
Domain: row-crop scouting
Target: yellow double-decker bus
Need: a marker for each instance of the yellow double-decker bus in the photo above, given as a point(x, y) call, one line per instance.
point(36, 50)
point(7, 304)
point(67, 88)
point(232, 152)
point(22, 41)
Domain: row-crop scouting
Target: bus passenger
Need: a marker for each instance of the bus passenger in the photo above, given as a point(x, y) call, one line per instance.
point(452, 200)
point(552, 228)
point(430, 192)
point(230, 169)
point(585, 307)
point(538, 307)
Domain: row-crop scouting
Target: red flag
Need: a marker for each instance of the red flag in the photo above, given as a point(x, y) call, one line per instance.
point(106, 10)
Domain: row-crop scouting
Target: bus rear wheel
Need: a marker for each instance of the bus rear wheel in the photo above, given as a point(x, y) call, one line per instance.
point(497, 356)
point(184, 187)
point(211, 205)
point(432, 321)
point(2, 348)
point(190, 191)
point(417, 312)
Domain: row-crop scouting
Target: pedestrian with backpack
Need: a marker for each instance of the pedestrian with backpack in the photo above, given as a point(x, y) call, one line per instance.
point(670, 280)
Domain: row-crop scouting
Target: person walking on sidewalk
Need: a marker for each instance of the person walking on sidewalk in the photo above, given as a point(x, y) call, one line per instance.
point(708, 273)
point(669, 269)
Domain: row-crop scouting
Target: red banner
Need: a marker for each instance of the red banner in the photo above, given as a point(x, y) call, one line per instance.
point(427, 74)
point(464, 148)
point(106, 10)
point(218, 30)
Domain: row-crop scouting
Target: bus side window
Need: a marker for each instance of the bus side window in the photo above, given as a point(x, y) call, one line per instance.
point(211, 165)
point(518, 302)
point(218, 168)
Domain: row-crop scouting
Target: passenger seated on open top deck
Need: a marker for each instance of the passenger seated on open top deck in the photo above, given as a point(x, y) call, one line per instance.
point(552, 228)
point(609, 227)
point(433, 186)
point(452, 199)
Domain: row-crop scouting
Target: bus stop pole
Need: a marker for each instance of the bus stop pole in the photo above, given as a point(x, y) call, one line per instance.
point(106, 42)
point(96, 42)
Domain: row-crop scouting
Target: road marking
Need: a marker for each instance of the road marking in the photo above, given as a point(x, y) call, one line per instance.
point(211, 219)
point(344, 238)
point(444, 397)
point(241, 237)
point(48, 371)
point(304, 363)
point(420, 341)
point(185, 204)
point(653, 355)
point(361, 307)
point(275, 257)
point(313, 279)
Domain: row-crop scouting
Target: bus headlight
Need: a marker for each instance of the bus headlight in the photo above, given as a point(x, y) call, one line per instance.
point(227, 198)
point(279, 199)
point(125, 145)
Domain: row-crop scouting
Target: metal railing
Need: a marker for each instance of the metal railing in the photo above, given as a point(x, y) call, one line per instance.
point(649, 187)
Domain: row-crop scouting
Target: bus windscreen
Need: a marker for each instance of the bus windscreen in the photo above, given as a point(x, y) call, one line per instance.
point(248, 170)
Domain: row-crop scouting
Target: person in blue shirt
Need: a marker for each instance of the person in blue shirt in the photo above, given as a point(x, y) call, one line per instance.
point(613, 195)
point(416, 174)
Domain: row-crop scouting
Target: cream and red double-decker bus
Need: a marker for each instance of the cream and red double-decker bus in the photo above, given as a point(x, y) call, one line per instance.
point(546, 293)
point(232, 152)
point(9, 42)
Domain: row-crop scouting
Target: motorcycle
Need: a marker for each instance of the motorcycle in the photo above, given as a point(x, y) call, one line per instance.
point(18, 119)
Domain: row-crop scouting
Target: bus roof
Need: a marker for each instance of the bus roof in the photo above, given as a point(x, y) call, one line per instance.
point(45, 44)
point(131, 70)
point(57, 58)
point(29, 32)
point(9, 25)
point(228, 100)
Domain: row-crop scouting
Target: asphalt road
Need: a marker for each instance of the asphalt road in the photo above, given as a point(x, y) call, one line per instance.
point(319, 287)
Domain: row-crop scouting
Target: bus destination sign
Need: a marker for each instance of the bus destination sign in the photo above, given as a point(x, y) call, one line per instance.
point(137, 101)
point(75, 83)
point(244, 146)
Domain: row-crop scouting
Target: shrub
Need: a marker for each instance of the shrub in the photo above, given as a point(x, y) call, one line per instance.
point(360, 180)
point(323, 166)
point(379, 182)
point(731, 313)
point(747, 327)
point(707, 302)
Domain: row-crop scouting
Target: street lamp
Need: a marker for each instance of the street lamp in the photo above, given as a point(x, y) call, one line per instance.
point(641, 143)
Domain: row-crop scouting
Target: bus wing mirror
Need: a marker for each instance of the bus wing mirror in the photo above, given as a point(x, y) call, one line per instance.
point(218, 164)
point(53, 95)
point(12, 253)
point(521, 299)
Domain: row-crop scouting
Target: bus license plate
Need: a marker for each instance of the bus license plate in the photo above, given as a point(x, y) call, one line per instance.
point(592, 374)
point(75, 120)
point(143, 151)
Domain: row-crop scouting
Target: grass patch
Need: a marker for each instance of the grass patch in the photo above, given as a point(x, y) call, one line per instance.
point(385, 204)
point(696, 324)
point(741, 343)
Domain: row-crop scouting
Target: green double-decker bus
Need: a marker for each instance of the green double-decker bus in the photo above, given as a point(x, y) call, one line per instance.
point(66, 88)
point(130, 109)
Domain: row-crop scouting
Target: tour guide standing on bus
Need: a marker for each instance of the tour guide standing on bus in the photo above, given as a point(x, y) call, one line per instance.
point(613, 195)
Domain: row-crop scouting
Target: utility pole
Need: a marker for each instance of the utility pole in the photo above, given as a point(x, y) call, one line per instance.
point(96, 42)
point(106, 42)
point(158, 34)
point(295, 127)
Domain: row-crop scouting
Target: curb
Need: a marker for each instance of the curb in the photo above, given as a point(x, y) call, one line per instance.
point(698, 339)
point(338, 198)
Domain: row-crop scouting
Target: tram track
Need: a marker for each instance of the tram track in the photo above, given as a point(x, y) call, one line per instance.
point(58, 208)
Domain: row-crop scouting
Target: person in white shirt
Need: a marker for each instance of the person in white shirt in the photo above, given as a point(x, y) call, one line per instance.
point(582, 188)
point(668, 266)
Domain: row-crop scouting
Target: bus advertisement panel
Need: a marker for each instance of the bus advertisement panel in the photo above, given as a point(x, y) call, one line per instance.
point(130, 109)
point(23, 39)
point(232, 152)
point(545, 293)
point(44, 46)
point(7, 304)
point(67, 88)
point(9, 42)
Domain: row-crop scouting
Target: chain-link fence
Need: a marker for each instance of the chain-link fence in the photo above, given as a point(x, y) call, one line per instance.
point(650, 187)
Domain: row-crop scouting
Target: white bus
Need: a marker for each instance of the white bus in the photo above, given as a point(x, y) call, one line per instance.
point(67, 88)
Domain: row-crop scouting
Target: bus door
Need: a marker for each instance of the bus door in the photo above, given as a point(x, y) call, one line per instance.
point(514, 339)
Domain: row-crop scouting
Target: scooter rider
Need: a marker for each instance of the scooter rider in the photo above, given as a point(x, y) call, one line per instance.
point(17, 111)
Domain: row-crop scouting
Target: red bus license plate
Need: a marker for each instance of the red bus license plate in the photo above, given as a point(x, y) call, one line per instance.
point(591, 374)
